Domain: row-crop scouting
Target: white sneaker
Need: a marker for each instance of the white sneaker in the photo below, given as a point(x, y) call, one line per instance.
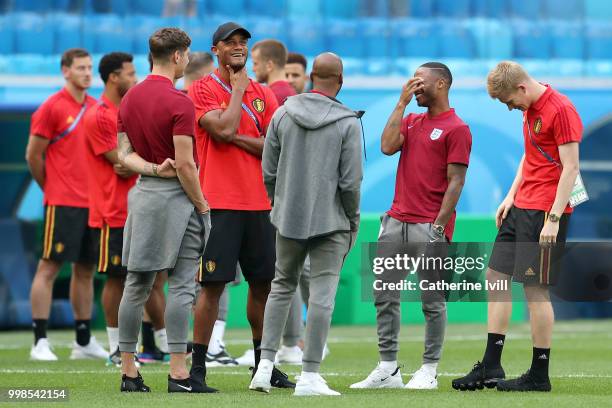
point(247, 359)
point(381, 378)
point(306, 387)
point(92, 350)
point(289, 355)
point(261, 379)
point(423, 379)
point(41, 351)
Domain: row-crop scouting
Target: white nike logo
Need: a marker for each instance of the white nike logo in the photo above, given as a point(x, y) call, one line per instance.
point(410, 126)
point(183, 387)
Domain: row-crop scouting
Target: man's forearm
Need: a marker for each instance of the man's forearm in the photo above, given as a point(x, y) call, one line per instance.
point(564, 190)
point(228, 120)
point(37, 169)
point(253, 145)
point(391, 134)
point(449, 202)
point(188, 177)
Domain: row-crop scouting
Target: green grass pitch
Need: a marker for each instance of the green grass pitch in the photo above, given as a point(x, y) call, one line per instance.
point(581, 371)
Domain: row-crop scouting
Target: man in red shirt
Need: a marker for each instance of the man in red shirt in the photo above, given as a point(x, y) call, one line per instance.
point(295, 71)
point(269, 58)
point(535, 214)
point(165, 226)
point(57, 163)
point(435, 151)
point(233, 113)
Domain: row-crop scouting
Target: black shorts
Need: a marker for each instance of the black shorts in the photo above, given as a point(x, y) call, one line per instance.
point(245, 237)
point(517, 251)
point(66, 236)
point(109, 242)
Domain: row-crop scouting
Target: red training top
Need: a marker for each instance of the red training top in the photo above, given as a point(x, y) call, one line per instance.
point(65, 165)
point(282, 90)
point(107, 191)
point(151, 113)
point(430, 144)
point(232, 178)
point(552, 121)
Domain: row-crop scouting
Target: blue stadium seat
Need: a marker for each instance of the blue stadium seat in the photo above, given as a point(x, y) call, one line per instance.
point(268, 8)
point(148, 7)
point(421, 8)
point(343, 38)
point(340, 9)
point(598, 9)
point(599, 40)
point(376, 37)
point(489, 8)
point(68, 32)
point(141, 28)
point(7, 35)
point(567, 39)
point(120, 7)
point(492, 38)
point(33, 34)
point(531, 40)
point(374, 8)
point(413, 38)
point(301, 9)
point(455, 41)
point(264, 27)
point(567, 10)
point(453, 8)
point(234, 8)
point(527, 9)
point(106, 33)
point(306, 37)
point(35, 6)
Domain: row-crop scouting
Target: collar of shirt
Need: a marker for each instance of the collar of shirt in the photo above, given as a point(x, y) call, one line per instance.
point(316, 91)
point(249, 88)
point(153, 77)
point(108, 102)
point(539, 104)
point(442, 115)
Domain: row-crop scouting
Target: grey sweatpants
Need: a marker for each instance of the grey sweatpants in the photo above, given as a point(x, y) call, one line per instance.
point(327, 255)
point(295, 322)
point(388, 302)
point(180, 294)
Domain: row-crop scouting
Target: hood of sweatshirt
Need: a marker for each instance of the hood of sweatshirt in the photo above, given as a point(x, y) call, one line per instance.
point(313, 111)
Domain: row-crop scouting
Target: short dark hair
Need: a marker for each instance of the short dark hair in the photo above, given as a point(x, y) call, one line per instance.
point(272, 50)
point(442, 70)
point(296, 58)
point(197, 61)
point(70, 54)
point(111, 63)
point(166, 41)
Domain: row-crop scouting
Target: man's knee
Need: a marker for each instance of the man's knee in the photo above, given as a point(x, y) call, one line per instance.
point(47, 270)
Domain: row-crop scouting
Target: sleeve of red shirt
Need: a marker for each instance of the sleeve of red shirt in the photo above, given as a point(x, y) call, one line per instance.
point(459, 146)
point(43, 123)
point(184, 117)
point(567, 126)
point(103, 137)
point(204, 99)
point(271, 104)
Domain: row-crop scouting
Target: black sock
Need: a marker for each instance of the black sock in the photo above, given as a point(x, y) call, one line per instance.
point(40, 329)
point(539, 362)
point(493, 352)
point(83, 332)
point(148, 337)
point(256, 345)
point(198, 356)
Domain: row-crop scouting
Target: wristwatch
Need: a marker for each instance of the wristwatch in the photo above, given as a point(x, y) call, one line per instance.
point(553, 218)
point(438, 228)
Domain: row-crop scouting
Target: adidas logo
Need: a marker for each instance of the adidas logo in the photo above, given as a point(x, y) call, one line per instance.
point(543, 357)
point(81, 326)
point(499, 343)
point(530, 272)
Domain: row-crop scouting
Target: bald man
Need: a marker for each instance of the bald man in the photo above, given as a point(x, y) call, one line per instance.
point(313, 127)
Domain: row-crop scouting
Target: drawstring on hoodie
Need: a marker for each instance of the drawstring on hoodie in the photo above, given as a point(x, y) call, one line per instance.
point(359, 116)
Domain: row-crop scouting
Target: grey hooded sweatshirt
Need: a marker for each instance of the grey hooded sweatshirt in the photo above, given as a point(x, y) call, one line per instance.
point(312, 167)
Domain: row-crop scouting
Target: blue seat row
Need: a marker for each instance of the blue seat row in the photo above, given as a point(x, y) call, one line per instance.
point(31, 33)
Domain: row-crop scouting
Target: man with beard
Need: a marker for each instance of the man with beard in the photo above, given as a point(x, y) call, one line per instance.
point(269, 58)
point(435, 149)
point(233, 114)
point(295, 71)
point(56, 161)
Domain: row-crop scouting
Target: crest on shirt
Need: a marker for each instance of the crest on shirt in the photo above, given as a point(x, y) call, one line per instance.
point(70, 119)
point(259, 105)
point(435, 134)
point(537, 125)
point(223, 105)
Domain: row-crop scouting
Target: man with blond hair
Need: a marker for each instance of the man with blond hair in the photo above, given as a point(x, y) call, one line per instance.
point(535, 211)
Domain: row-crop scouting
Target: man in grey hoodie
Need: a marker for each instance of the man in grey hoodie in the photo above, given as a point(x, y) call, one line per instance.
point(312, 171)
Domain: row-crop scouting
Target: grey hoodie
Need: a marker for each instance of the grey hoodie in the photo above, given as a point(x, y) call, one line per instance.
point(312, 167)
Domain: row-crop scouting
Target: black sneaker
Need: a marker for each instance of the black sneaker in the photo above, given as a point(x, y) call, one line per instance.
point(221, 359)
point(114, 359)
point(526, 382)
point(183, 385)
point(197, 379)
point(480, 377)
point(278, 378)
point(129, 384)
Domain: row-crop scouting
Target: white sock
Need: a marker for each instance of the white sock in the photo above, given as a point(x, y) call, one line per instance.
point(389, 366)
point(432, 368)
point(215, 345)
point(161, 340)
point(309, 376)
point(113, 338)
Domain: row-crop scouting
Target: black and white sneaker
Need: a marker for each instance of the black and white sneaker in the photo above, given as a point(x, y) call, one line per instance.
point(114, 359)
point(175, 385)
point(526, 382)
point(221, 359)
point(129, 384)
point(278, 378)
point(480, 377)
point(197, 380)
